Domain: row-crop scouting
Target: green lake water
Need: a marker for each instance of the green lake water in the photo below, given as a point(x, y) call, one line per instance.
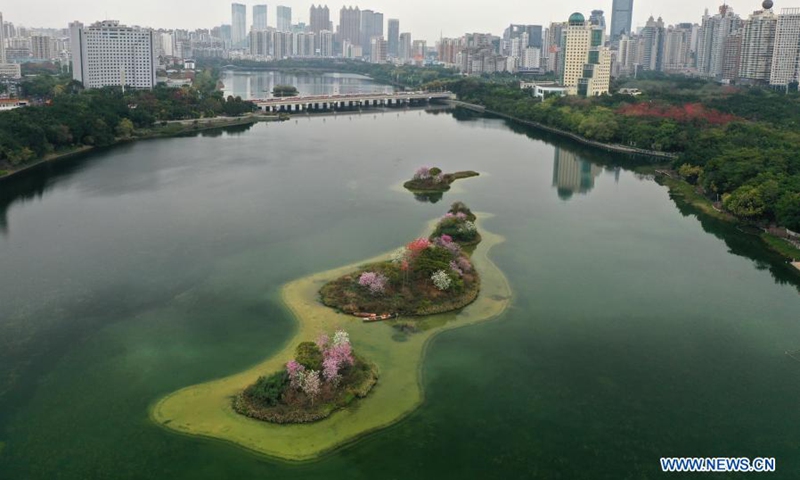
point(637, 330)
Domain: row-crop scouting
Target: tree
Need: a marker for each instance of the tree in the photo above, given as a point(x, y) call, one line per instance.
point(745, 202)
point(125, 128)
point(788, 211)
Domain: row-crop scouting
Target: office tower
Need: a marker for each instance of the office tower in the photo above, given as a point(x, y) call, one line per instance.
point(42, 47)
point(259, 17)
point(284, 19)
point(350, 25)
point(711, 40)
point(534, 33)
point(587, 63)
point(378, 50)
point(787, 43)
point(758, 46)
point(731, 57)
point(598, 19)
point(238, 25)
point(393, 37)
point(320, 18)
point(404, 47)
point(2, 40)
point(621, 18)
point(371, 27)
point(110, 54)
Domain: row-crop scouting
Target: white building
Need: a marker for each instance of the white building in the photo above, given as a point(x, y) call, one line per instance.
point(325, 42)
point(787, 45)
point(109, 54)
point(758, 44)
point(587, 63)
point(11, 70)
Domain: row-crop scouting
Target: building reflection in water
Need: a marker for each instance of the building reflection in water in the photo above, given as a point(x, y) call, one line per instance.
point(572, 174)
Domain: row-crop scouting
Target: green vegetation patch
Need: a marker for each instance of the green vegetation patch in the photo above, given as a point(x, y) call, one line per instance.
point(427, 276)
point(434, 180)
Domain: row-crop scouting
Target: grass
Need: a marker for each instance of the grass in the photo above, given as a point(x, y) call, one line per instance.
point(206, 410)
point(3, 173)
point(781, 246)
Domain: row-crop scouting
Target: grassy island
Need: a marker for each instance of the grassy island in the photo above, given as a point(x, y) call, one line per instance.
point(206, 410)
point(285, 91)
point(434, 180)
point(427, 276)
point(324, 376)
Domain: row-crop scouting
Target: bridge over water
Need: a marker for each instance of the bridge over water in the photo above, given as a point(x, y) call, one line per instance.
point(351, 101)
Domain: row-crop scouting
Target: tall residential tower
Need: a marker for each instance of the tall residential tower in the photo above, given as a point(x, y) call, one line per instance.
point(621, 18)
point(238, 25)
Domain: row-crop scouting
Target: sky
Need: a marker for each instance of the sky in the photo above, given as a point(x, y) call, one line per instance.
point(425, 19)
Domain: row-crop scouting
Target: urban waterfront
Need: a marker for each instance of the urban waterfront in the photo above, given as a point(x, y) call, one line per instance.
point(637, 330)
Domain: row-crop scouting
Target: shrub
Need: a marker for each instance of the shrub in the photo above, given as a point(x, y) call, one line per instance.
point(268, 390)
point(441, 280)
point(309, 355)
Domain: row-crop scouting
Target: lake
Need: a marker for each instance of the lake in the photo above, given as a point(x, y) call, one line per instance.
point(255, 85)
point(636, 330)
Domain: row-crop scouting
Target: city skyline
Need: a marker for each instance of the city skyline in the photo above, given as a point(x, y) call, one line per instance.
point(436, 18)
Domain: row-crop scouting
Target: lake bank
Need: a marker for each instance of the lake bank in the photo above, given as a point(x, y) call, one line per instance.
point(173, 128)
point(205, 410)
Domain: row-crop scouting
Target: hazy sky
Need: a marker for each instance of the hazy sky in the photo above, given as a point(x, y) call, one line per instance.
point(425, 19)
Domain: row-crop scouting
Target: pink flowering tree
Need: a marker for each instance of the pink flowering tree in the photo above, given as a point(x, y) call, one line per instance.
point(375, 282)
point(296, 374)
point(312, 385)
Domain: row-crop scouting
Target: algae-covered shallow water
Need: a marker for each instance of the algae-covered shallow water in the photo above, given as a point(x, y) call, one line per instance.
point(635, 329)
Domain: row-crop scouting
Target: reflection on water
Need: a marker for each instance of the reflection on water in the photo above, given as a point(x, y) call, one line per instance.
point(250, 85)
point(572, 174)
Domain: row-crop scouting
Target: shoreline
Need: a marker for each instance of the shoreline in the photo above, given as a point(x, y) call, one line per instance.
point(609, 147)
point(205, 410)
point(188, 128)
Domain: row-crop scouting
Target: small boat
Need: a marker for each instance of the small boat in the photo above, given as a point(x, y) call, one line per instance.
point(380, 318)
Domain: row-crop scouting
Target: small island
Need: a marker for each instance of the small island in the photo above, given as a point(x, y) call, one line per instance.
point(428, 179)
point(324, 376)
point(428, 276)
point(284, 91)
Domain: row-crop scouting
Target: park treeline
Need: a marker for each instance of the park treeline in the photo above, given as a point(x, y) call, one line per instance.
point(67, 117)
point(741, 145)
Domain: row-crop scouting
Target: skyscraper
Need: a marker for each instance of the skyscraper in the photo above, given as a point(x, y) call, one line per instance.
point(787, 43)
point(75, 45)
point(404, 47)
point(371, 27)
point(711, 41)
point(2, 40)
point(758, 45)
point(394, 37)
point(111, 54)
point(320, 18)
point(284, 19)
point(621, 18)
point(238, 25)
point(259, 17)
point(597, 18)
point(350, 25)
point(652, 45)
point(587, 63)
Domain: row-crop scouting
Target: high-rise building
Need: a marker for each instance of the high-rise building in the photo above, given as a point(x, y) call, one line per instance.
point(259, 17)
point(448, 50)
point(238, 25)
point(621, 18)
point(75, 33)
point(555, 48)
point(787, 45)
point(325, 43)
point(758, 46)
point(711, 40)
point(652, 51)
point(378, 50)
point(42, 47)
point(587, 63)
point(393, 39)
point(732, 56)
point(371, 27)
point(319, 18)
point(350, 25)
point(598, 19)
point(677, 47)
point(404, 47)
point(110, 54)
point(419, 50)
point(2, 40)
point(284, 19)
